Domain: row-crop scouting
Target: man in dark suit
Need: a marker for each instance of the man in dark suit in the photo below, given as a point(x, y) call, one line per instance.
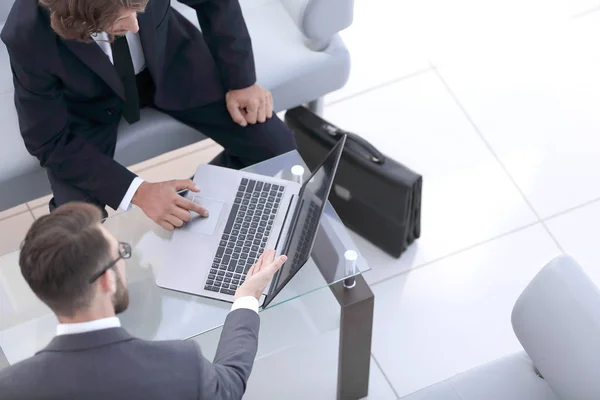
point(77, 268)
point(78, 67)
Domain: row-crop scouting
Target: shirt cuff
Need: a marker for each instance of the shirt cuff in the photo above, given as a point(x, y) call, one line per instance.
point(247, 302)
point(126, 202)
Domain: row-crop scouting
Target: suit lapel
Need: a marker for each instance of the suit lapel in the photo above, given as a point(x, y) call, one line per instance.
point(148, 38)
point(92, 55)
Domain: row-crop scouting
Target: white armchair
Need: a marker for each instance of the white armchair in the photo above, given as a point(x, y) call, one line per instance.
point(557, 320)
point(320, 20)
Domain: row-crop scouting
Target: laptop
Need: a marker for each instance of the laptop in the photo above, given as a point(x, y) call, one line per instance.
point(248, 213)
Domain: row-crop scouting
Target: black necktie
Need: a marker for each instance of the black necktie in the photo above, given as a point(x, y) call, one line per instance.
point(124, 65)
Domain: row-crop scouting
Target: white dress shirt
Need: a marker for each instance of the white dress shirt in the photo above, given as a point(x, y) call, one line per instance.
point(82, 327)
point(247, 302)
point(139, 63)
point(135, 48)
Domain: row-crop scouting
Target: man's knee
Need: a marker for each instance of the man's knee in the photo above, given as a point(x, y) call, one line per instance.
point(279, 139)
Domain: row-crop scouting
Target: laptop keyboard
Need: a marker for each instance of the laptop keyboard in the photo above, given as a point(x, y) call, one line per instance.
point(310, 226)
point(245, 235)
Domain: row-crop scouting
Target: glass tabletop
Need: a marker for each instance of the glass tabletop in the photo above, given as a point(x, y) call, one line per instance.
point(154, 313)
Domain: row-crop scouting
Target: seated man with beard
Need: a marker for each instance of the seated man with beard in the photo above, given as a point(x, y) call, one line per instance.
point(74, 265)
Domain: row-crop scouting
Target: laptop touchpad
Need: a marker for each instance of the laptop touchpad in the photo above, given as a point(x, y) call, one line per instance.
point(202, 225)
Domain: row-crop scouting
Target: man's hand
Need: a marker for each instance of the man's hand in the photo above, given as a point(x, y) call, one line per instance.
point(163, 205)
point(249, 106)
point(260, 274)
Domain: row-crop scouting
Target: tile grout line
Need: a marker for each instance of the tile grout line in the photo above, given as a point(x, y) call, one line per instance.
point(175, 158)
point(15, 214)
point(380, 86)
point(384, 375)
point(495, 155)
point(31, 212)
point(30, 209)
point(568, 210)
point(454, 253)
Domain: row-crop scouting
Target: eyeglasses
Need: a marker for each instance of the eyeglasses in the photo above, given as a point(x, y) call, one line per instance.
point(124, 254)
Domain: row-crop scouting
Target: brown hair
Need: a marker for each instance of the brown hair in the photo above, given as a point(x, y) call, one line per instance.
point(79, 19)
point(61, 252)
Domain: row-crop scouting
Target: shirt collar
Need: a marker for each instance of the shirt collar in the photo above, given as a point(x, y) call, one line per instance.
point(89, 326)
point(100, 36)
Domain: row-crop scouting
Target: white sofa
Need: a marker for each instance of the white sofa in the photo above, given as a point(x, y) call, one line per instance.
point(557, 321)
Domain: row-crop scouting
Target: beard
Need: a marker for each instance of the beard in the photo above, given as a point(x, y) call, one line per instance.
point(121, 297)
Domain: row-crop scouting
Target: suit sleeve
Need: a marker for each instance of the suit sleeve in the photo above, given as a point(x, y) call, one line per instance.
point(227, 37)
point(44, 124)
point(227, 376)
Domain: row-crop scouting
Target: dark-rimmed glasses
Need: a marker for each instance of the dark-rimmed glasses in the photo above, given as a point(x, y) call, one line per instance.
point(124, 254)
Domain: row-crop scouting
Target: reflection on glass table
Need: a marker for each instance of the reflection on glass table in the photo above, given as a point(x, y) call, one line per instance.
point(26, 325)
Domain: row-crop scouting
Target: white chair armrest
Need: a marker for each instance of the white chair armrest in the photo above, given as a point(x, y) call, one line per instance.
point(557, 320)
point(320, 20)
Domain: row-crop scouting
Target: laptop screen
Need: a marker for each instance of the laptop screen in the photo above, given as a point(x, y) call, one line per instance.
point(310, 206)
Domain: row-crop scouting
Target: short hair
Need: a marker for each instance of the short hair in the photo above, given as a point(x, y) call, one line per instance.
point(80, 19)
point(60, 253)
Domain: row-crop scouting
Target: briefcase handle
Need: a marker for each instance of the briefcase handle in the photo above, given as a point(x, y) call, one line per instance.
point(374, 154)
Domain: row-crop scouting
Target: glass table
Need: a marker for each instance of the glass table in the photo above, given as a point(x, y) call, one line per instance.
point(27, 325)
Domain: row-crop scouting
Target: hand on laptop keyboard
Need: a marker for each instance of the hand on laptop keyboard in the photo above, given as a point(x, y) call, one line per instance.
point(163, 205)
point(260, 274)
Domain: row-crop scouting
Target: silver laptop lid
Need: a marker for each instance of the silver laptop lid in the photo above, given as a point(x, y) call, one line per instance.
point(305, 221)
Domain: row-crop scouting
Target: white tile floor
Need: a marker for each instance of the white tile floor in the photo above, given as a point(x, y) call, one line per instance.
point(496, 104)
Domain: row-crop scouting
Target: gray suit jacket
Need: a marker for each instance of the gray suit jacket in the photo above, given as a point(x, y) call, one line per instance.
point(111, 364)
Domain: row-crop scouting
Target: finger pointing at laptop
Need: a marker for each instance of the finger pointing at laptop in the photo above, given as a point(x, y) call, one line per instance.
point(161, 202)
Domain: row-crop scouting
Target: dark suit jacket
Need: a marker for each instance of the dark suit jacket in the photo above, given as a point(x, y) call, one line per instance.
point(111, 364)
point(69, 97)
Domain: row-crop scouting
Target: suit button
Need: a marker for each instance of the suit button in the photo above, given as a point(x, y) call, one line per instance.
point(110, 111)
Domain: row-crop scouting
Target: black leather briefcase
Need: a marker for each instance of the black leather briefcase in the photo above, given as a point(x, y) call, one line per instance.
point(375, 196)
